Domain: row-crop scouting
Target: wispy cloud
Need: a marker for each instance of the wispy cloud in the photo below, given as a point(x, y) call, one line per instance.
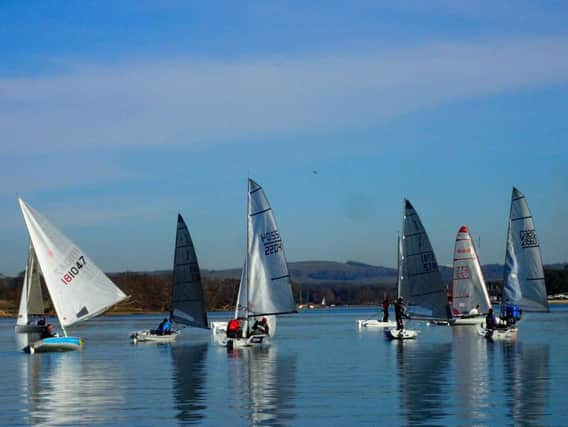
point(190, 101)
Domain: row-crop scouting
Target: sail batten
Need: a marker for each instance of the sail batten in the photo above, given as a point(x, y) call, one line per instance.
point(420, 281)
point(524, 283)
point(78, 289)
point(187, 299)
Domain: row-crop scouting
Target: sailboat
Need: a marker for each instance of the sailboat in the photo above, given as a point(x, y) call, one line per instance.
point(523, 286)
point(469, 298)
point(264, 290)
point(420, 282)
point(78, 289)
point(187, 300)
point(31, 310)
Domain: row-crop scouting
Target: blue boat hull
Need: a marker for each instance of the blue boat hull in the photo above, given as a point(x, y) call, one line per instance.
point(55, 344)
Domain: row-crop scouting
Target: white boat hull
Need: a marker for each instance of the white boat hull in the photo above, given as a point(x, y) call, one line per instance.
point(55, 344)
point(218, 327)
point(374, 323)
point(468, 321)
point(148, 336)
point(252, 341)
point(400, 334)
point(501, 334)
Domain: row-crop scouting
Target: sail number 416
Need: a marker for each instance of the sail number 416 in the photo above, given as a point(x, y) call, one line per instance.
point(73, 271)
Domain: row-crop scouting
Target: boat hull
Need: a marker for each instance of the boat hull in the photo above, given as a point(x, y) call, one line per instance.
point(148, 336)
point(55, 344)
point(500, 334)
point(29, 329)
point(252, 341)
point(374, 323)
point(400, 334)
point(468, 321)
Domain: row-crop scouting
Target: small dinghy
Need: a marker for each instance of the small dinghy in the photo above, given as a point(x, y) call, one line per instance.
point(400, 334)
point(265, 290)
point(374, 323)
point(469, 298)
point(187, 300)
point(419, 280)
point(78, 289)
point(523, 286)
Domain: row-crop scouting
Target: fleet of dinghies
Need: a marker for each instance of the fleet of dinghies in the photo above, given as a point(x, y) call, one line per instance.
point(79, 290)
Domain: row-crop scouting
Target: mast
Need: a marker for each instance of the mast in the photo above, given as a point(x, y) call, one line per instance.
point(398, 265)
point(503, 304)
point(247, 256)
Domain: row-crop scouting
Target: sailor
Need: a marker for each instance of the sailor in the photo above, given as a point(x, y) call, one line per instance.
point(385, 306)
point(164, 328)
point(41, 322)
point(400, 312)
point(48, 332)
point(234, 329)
point(260, 327)
point(474, 311)
point(490, 321)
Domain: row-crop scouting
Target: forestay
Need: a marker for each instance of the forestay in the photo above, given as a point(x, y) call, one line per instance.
point(468, 285)
point(524, 275)
point(266, 271)
point(420, 279)
point(188, 306)
point(78, 289)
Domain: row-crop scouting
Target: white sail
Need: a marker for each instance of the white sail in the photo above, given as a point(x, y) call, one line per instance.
point(242, 296)
point(269, 290)
point(524, 275)
point(468, 286)
point(420, 279)
point(78, 289)
point(31, 300)
point(188, 307)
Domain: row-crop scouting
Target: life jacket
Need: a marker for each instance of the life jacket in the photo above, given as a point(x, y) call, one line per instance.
point(233, 325)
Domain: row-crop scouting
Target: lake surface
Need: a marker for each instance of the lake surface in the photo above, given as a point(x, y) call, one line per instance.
point(320, 370)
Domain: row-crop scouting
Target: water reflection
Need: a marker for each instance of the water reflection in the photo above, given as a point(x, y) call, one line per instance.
point(189, 381)
point(61, 390)
point(472, 382)
point(526, 381)
point(424, 382)
point(265, 383)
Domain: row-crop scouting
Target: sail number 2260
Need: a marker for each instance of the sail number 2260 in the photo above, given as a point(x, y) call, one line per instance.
point(73, 271)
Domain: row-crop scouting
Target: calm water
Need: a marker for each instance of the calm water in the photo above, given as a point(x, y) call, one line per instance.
point(320, 370)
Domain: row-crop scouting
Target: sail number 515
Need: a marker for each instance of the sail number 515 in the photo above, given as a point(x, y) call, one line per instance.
point(73, 271)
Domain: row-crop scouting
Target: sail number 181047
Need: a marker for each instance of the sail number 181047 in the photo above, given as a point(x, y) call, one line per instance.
point(68, 277)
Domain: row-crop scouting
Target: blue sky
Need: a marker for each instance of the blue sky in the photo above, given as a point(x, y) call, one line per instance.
point(115, 116)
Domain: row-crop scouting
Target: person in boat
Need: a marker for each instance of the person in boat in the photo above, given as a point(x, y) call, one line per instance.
point(490, 320)
point(399, 313)
point(48, 332)
point(260, 327)
point(234, 329)
point(165, 327)
point(474, 311)
point(41, 321)
point(385, 306)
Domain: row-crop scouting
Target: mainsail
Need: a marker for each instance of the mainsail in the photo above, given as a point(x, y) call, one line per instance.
point(78, 289)
point(524, 275)
point(188, 306)
point(420, 279)
point(31, 300)
point(468, 287)
point(265, 274)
